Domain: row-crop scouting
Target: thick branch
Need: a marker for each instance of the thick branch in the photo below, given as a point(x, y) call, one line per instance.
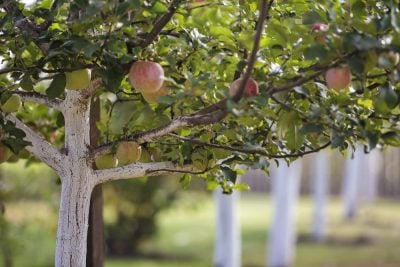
point(138, 169)
point(160, 24)
point(39, 146)
point(170, 127)
point(39, 99)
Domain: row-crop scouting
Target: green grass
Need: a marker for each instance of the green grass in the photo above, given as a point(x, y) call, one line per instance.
point(186, 235)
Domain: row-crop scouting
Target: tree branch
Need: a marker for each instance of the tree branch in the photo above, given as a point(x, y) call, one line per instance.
point(264, 10)
point(39, 146)
point(244, 150)
point(139, 169)
point(39, 99)
point(160, 24)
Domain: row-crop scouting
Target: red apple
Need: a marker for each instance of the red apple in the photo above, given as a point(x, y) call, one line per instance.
point(319, 27)
point(146, 76)
point(251, 88)
point(338, 78)
point(319, 30)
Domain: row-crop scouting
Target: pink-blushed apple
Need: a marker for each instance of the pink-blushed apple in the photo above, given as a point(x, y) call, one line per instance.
point(338, 78)
point(151, 98)
point(5, 153)
point(319, 29)
point(251, 88)
point(146, 76)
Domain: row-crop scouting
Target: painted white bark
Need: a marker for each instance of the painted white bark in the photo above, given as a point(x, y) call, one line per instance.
point(321, 173)
point(350, 183)
point(369, 182)
point(77, 183)
point(227, 252)
point(282, 236)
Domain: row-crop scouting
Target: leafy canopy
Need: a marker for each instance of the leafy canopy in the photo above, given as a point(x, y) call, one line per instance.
point(203, 46)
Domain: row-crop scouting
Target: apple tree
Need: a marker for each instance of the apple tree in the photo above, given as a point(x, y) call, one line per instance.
point(190, 87)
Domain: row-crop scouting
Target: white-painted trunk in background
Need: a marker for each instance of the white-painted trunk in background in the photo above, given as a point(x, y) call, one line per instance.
point(227, 242)
point(369, 182)
point(282, 236)
point(351, 182)
point(321, 173)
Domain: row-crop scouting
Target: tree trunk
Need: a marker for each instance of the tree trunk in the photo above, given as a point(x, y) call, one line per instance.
point(227, 243)
point(73, 222)
point(282, 237)
point(320, 194)
point(350, 183)
point(95, 242)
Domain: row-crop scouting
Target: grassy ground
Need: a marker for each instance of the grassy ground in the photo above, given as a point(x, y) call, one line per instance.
point(186, 235)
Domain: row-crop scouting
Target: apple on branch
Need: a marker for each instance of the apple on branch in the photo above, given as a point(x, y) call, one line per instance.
point(106, 161)
point(251, 88)
point(320, 29)
point(5, 153)
point(128, 152)
point(77, 79)
point(151, 98)
point(146, 76)
point(338, 78)
point(12, 104)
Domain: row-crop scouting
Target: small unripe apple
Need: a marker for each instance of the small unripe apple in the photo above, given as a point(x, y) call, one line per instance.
point(12, 104)
point(5, 153)
point(394, 57)
point(106, 161)
point(128, 152)
point(152, 97)
point(338, 78)
point(251, 88)
point(77, 79)
point(146, 76)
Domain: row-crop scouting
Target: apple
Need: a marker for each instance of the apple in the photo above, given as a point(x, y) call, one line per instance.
point(146, 76)
point(13, 158)
point(394, 57)
point(152, 97)
point(320, 29)
point(338, 78)
point(106, 161)
point(12, 104)
point(77, 79)
point(251, 88)
point(128, 152)
point(5, 153)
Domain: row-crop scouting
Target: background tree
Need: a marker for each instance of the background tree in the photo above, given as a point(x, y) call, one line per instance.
point(322, 74)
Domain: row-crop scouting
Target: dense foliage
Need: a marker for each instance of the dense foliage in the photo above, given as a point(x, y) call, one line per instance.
point(203, 46)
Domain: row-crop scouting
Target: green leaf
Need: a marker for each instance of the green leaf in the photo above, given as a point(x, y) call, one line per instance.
point(229, 174)
point(391, 138)
point(57, 86)
point(315, 52)
point(185, 180)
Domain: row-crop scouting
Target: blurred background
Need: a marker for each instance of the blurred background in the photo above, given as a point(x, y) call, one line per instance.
point(343, 211)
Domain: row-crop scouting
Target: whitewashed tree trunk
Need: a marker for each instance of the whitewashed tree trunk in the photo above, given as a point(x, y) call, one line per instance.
point(321, 174)
point(368, 181)
point(77, 183)
point(282, 236)
point(227, 251)
point(350, 183)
